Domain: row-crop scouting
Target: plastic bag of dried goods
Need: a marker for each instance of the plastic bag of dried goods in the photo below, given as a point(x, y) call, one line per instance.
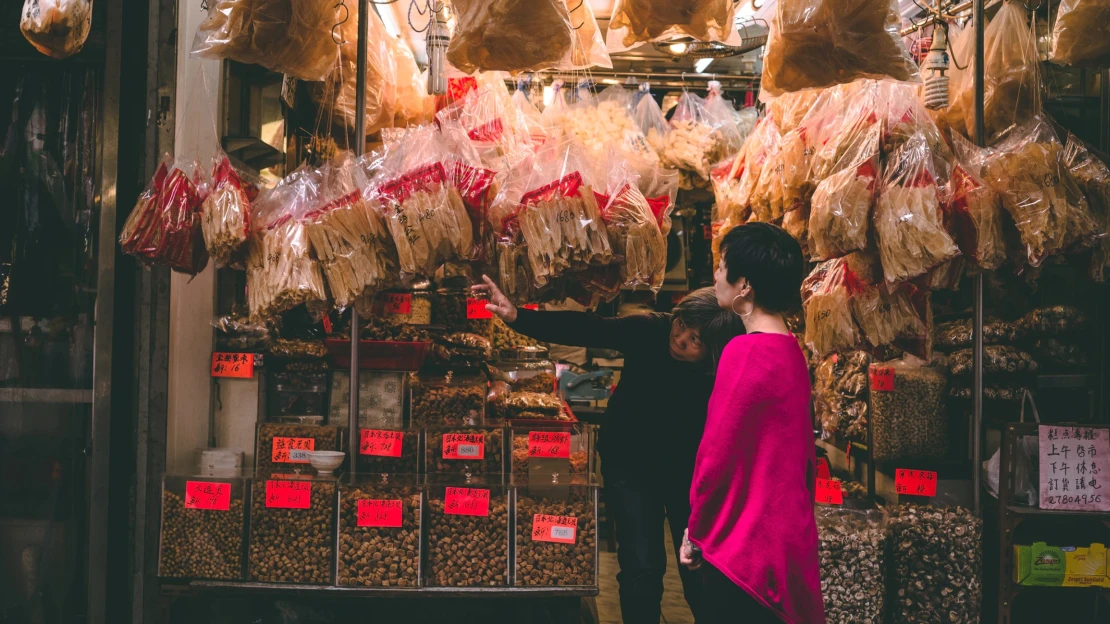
point(886, 317)
point(518, 36)
point(997, 359)
point(962, 44)
point(413, 104)
point(840, 399)
point(973, 215)
point(225, 214)
point(908, 414)
point(532, 119)
point(819, 43)
point(1024, 169)
point(729, 205)
point(164, 228)
point(1093, 177)
point(633, 229)
point(604, 122)
point(909, 225)
point(287, 36)
point(638, 21)
point(1010, 76)
point(853, 555)
point(495, 127)
point(57, 28)
point(730, 131)
point(648, 116)
point(789, 109)
point(958, 334)
point(826, 299)
point(688, 143)
point(1053, 320)
point(1079, 36)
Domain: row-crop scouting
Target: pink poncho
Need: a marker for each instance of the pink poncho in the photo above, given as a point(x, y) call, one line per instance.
point(752, 496)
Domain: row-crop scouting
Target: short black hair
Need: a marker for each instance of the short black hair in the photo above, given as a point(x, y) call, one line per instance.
point(770, 259)
point(716, 325)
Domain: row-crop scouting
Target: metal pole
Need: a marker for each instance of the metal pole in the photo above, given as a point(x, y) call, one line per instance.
point(360, 146)
point(977, 335)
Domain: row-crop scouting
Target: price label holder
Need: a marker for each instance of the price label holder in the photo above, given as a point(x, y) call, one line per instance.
point(908, 482)
point(829, 492)
point(554, 529)
point(549, 444)
point(288, 494)
point(466, 502)
point(464, 446)
point(397, 304)
point(232, 365)
point(291, 450)
point(476, 309)
point(882, 378)
point(209, 495)
point(379, 513)
point(380, 442)
point(1074, 468)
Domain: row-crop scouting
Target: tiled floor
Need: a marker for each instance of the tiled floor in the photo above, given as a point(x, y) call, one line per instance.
point(675, 610)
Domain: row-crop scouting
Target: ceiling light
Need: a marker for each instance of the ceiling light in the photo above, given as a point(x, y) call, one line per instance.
point(677, 48)
point(701, 65)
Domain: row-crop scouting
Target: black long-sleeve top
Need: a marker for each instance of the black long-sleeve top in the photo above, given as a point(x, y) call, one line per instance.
point(654, 420)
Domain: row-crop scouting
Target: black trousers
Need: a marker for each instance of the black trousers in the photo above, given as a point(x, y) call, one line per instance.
point(725, 602)
point(639, 510)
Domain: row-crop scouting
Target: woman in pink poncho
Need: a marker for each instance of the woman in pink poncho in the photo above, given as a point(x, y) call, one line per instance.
point(751, 529)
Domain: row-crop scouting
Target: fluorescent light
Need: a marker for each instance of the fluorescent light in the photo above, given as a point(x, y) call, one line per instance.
point(610, 81)
point(390, 22)
point(677, 48)
point(701, 65)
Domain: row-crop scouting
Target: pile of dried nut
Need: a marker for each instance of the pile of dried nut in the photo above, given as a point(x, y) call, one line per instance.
point(292, 545)
point(201, 543)
point(467, 551)
point(375, 556)
point(549, 563)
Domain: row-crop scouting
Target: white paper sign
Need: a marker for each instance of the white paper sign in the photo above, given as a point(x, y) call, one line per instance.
point(1075, 468)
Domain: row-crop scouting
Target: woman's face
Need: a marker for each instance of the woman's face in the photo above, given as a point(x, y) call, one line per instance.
point(686, 344)
point(726, 293)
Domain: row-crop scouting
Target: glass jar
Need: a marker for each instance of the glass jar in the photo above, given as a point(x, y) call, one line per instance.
point(451, 398)
point(292, 531)
point(528, 369)
point(379, 533)
point(460, 310)
point(281, 448)
point(202, 528)
point(556, 536)
point(412, 306)
point(467, 536)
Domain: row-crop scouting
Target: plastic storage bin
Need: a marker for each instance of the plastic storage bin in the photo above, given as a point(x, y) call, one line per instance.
point(562, 453)
point(281, 447)
point(465, 452)
point(556, 536)
point(528, 369)
point(467, 536)
point(202, 528)
point(393, 451)
point(448, 398)
point(379, 533)
point(292, 531)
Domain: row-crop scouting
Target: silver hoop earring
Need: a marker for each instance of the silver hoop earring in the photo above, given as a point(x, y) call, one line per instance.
point(740, 314)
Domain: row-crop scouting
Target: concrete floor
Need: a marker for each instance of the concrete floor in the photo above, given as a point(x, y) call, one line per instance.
point(675, 610)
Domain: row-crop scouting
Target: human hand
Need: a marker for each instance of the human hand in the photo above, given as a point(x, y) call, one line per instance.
point(499, 304)
point(689, 555)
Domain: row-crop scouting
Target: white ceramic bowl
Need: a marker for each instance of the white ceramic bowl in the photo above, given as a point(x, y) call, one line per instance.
point(325, 461)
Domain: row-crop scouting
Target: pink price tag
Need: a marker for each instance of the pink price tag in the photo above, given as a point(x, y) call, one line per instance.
point(288, 494)
point(476, 309)
point(557, 529)
point(207, 495)
point(379, 513)
point(464, 446)
point(915, 482)
point(829, 492)
point(381, 443)
point(466, 502)
point(549, 444)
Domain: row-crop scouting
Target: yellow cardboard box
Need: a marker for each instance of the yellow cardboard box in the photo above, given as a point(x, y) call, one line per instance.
point(1066, 566)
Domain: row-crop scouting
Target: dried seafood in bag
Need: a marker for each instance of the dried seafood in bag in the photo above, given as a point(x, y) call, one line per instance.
point(973, 216)
point(997, 359)
point(885, 317)
point(839, 388)
point(840, 213)
point(638, 21)
point(164, 228)
point(226, 214)
point(281, 272)
point(563, 229)
point(908, 222)
point(1079, 35)
point(495, 127)
point(826, 297)
point(603, 123)
point(634, 234)
point(688, 144)
point(768, 203)
point(1093, 177)
point(1053, 320)
point(909, 419)
point(958, 334)
point(820, 43)
point(286, 36)
point(57, 28)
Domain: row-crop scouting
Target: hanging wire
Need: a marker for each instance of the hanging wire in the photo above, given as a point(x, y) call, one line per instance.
point(429, 9)
point(570, 11)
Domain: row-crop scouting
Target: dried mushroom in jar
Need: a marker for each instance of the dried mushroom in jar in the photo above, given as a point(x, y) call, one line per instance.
point(292, 544)
point(373, 551)
point(909, 419)
point(937, 558)
point(467, 550)
point(540, 562)
point(201, 543)
point(852, 551)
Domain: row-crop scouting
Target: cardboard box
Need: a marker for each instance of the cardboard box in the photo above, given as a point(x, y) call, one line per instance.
point(1061, 566)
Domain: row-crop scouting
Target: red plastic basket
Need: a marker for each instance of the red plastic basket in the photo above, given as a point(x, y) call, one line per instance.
point(379, 354)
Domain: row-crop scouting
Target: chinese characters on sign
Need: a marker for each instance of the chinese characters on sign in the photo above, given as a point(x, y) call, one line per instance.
point(882, 378)
point(476, 309)
point(288, 494)
point(380, 442)
point(464, 446)
point(915, 482)
point(549, 444)
point(207, 495)
point(237, 365)
point(557, 529)
point(829, 492)
point(1074, 461)
point(466, 502)
point(292, 450)
point(397, 304)
point(379, 513)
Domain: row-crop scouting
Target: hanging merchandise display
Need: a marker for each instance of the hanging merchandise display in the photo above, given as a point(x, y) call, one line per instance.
point(225, 214)
point(1078, 36)
point(633, 230)
point(164, 228)
point(639, 21)
point(57, 28)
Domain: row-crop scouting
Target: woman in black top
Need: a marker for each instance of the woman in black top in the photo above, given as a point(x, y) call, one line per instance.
point(652, 425)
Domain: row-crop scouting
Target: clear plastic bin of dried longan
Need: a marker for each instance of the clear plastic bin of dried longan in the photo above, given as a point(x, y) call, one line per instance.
point(203, 528)
point(379, 532)
point(459, 454)
point(292, 530)
point(448, 398)
point(553, 453)
point(466, 534)
point(390, 451)
point(555, 535)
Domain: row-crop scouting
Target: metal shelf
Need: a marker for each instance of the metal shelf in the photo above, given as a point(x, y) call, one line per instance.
point(45, 395)
point(1026, 511)
point(208, 587)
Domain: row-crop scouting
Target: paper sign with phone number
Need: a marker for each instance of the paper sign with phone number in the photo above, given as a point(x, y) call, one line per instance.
point(557, 529)
point(379, 513)
point(380, 443)
point(466, 502)
point(464, 446)
point(288, 494)
point(915, 482)
point(549, 444)
point(292, 450)
point(829, 492)
point(233, 365)
point(207, 495)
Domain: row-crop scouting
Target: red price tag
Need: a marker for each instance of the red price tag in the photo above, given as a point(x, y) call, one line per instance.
point(397, 304)
point(464, 446)
point(828, 492)
point(291, 450)
point(549, 444)
point(379, 513)
point(707, 231)
point(380, 442)
point(207, 495)
point(288, 494)
point(882, 378)
point(531, 306)
point(235, 365)
point(476, 309)
point(466, 502)
point(915, 482)
point(823, 468)
point(557, 529)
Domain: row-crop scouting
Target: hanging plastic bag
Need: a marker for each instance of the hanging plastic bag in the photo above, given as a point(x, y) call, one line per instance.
point(1093, 176)
point(826, 299)
point(1010, 76)
point(225, 214)
point(688, 143)
point(532, 119)
point(885, 317)
point(57, 28)
point(973, 215)
point(962, 43)
point(495, 127)
point(517, 36)
point(638, 21)
point(287, 36)
point(729, 133)
point(603, 123)
point(767, 199)
point(164, 228)
point(909, 226)
point(819, 43)
point(789, 109)
point(414, 105)
point(1079, 36)
point(633, 229)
